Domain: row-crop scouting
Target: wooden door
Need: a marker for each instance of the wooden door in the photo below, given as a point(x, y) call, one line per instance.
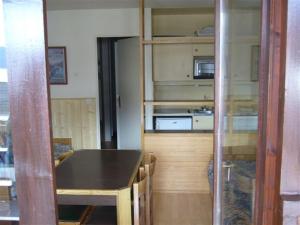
point(128, 92)
point(273, 36)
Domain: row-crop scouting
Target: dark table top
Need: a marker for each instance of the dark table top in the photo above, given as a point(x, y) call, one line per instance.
point(98, 169)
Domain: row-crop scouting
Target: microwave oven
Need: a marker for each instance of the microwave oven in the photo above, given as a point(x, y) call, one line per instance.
point(204, 67)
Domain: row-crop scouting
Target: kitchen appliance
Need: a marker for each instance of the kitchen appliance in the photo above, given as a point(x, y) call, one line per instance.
point(173, 123)
point(204, 67)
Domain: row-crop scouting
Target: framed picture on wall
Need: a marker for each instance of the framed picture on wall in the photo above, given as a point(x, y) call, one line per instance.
point(57, 58)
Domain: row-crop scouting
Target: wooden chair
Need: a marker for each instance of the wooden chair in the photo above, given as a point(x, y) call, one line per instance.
point(139, 200)
point(149, 165)
point(63, 141)
point(107, 215)
point(149, 158)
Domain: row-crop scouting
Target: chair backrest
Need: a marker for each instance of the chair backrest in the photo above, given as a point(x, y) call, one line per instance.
point(150, 163)
point(149, 158)
point(139, 199)
point(142, 173)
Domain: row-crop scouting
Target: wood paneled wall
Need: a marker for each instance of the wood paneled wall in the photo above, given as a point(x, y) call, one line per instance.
point(183, 158)
point(76, 119)
point(182, 161)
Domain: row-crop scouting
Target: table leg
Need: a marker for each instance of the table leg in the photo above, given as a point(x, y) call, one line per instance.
point(124, 207)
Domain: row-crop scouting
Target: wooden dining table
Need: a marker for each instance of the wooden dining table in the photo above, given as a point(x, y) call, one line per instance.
point(99, 177)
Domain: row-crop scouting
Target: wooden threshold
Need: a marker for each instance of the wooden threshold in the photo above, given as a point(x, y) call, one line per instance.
point(180, 40)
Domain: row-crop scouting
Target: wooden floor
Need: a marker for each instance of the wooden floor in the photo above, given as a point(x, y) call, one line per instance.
point(182, 209)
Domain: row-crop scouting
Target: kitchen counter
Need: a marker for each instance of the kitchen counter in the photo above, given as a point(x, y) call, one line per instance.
point(173, 114)
point(179, 131)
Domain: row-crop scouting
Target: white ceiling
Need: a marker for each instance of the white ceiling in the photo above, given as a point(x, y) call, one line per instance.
point(109, 4)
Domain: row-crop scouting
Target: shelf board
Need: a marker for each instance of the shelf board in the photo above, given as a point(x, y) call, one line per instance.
point(180, 40)
point(198, 40)
point(180, 103)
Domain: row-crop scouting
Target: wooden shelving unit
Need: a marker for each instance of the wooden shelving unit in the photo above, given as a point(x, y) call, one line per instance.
point(161, 41)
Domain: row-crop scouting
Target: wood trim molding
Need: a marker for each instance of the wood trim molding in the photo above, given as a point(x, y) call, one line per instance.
point(271, 84)
point(86, 192)
point(291, 197)
point(25, 23)
point(142, 66)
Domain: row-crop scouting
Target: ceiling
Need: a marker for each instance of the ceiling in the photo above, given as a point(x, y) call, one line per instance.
point(109, 4)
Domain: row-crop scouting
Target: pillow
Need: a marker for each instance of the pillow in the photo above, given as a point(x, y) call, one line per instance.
point(60, 149)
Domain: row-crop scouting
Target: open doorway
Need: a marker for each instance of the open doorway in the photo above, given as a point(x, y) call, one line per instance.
point(118, 77)
point(107, 92)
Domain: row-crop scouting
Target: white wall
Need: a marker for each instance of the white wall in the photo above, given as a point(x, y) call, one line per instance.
point(78, 31)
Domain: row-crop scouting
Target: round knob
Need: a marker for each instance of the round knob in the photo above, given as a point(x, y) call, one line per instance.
point(196, 50)
point(188, 75)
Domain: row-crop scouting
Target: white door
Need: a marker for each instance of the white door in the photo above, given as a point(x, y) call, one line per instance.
point(128, 94)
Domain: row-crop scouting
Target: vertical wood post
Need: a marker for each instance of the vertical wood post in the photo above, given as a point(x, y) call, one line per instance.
point(271, 85)
point(142, 65)
point(25, 30)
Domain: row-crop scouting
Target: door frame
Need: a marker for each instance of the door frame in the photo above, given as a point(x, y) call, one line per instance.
point(268, 209)
point(271, 101)
point(272, 62)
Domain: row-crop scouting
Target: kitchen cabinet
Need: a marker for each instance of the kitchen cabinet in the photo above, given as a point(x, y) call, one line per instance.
point(172, 62)
point(205, 122)
point(175, 62)
point(241, 62)
point(203, 50)
point(243, 90)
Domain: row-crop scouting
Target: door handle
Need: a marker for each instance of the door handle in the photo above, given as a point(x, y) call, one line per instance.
point(119, 101)
point(228, 167)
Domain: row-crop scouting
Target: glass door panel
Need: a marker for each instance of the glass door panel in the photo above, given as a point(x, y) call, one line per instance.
point(8, 195)
point(237, 91)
